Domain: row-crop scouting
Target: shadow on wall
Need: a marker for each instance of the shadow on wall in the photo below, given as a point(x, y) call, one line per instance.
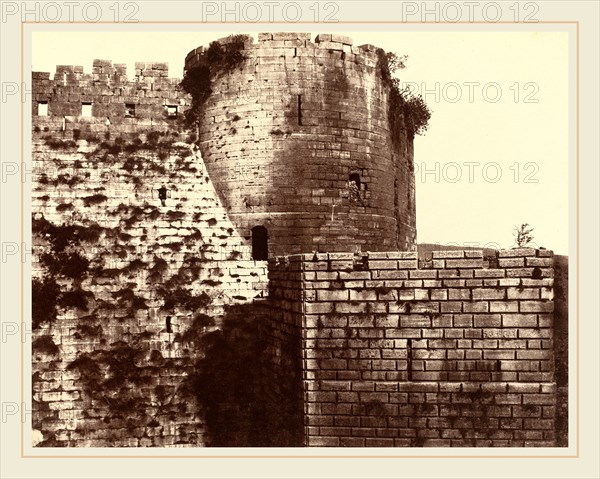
point(561, 343)
point(229, 384)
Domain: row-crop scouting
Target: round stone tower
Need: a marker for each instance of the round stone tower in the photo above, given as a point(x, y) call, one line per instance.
point(297, 142)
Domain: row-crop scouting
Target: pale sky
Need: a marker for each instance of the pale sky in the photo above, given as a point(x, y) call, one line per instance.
point(521, 135)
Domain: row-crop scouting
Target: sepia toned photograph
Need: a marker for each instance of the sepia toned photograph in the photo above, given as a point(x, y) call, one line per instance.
point(300, 239)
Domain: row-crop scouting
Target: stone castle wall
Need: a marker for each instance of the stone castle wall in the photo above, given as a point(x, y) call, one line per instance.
point(459, 353)
point(126, 289)
point(153, 325)
point(282, 133)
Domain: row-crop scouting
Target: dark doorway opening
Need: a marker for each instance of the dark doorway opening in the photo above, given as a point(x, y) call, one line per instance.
point(260, 243)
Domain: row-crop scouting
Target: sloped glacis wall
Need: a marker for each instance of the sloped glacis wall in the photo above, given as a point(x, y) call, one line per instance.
point(128, 288)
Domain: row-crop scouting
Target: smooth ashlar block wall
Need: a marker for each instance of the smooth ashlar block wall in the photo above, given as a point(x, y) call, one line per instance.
point(458, 354)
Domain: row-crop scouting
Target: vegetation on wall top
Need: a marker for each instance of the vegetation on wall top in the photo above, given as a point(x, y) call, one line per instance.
point(220, 57)
point(403, 106)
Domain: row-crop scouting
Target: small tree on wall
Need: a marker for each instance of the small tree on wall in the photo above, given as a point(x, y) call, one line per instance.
point(523, 235)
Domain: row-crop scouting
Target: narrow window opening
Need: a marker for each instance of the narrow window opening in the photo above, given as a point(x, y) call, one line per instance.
point(42, 108)
point(64, 78)
point(168, 324)
point(295, 52)
point(129, 110)
point(260, 243)
point(409, 359)
point(171, 111)
point(299, 110)
point(355, 178)
point(86, 110)
point(162, 195)
point(354, 187)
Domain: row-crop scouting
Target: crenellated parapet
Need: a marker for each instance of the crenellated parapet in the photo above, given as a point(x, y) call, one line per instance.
point(106, 97)
point(296, 44)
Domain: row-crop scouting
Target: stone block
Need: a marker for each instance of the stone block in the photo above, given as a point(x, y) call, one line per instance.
point(449, 254)
point(451, 307)
point(454, 294)
point(319, 308)
point(332, 295)
point(519, 320)
point(323, 37)
point(504, 306)
point(290, 36)
point(516, 252)
point(490, 273)
point(476, 307)
point(541, 262)
point(489, 293)
point(536, 306)
point(523, 293)
point(407, 264)
point(511, 262)
point(464, 263)
point(383, 264)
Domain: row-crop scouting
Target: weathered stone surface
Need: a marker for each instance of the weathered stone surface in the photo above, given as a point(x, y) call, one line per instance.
point(162, 334)
point(285, 132)
point(460, 376)
point(122, 350)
